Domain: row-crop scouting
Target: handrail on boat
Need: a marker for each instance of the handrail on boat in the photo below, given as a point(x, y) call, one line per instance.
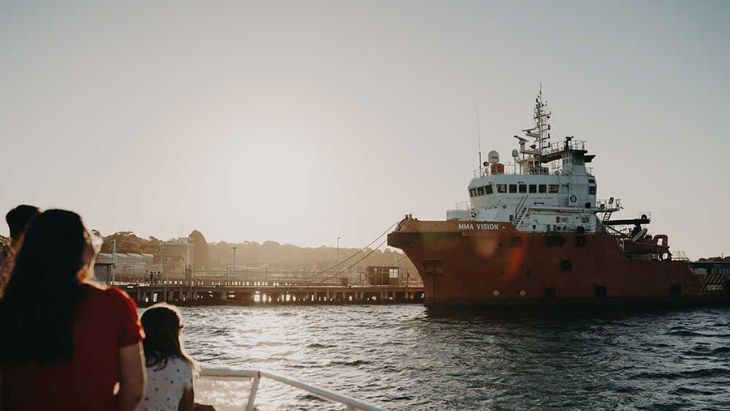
point(256, 375)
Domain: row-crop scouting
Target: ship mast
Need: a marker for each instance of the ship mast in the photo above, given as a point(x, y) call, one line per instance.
point(540, 132)
point(542, 115)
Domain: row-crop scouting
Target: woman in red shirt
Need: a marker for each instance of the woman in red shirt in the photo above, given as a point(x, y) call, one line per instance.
point(66, 344)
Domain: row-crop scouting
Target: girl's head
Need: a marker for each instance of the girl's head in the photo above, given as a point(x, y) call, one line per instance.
point(40, 300)
point(162, 325)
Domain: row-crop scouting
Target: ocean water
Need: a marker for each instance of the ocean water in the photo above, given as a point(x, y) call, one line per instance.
point(407, 357)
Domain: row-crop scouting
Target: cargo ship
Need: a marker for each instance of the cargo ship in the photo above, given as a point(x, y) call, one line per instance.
point(535, 233)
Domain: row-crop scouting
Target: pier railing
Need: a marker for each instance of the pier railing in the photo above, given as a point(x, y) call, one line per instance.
point(256, 376)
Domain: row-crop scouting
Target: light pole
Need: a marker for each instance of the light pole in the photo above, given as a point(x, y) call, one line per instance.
point(304, 268)
point(114, 263)
point(338, 250)
point(234, 260)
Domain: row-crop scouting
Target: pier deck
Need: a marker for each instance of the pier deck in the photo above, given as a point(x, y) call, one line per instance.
point(237, 293)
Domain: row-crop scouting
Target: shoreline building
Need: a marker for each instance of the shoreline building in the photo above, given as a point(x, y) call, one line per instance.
point(176, 257)
point(127, 265)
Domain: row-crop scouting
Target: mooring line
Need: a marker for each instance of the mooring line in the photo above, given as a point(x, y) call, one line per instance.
point(353, 256)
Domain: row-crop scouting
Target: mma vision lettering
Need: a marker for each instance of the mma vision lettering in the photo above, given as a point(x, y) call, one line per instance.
point(478, 226)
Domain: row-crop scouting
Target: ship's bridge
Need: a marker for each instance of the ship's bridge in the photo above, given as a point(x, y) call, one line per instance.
point(547, 187)
point(557, 177)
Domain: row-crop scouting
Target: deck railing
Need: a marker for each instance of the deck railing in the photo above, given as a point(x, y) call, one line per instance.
point(462, 206)
point(513, 169)
point(609, 204)
point(564, 145)
point(255, 376)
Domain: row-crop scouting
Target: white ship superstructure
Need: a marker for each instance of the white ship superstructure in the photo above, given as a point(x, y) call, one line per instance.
point(547, 188)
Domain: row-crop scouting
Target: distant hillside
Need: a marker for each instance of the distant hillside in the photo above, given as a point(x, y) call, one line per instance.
point(715, 259)
point(253, 254)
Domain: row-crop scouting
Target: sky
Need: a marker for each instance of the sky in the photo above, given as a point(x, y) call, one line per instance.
point(302, 122)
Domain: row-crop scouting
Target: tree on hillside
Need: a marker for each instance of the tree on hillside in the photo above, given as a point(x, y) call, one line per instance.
point(128, 242)
point(290, 257)
point(4, 243)
point(202, 251)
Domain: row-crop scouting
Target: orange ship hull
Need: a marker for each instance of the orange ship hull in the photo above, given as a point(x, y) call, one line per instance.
point(493, 264)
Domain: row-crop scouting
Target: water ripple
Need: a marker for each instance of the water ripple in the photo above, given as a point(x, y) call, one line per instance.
point(405, 357)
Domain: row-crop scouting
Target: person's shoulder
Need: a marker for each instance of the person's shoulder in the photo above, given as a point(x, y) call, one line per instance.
point(106, 290)
point(117, 292)
point(180, 362)
point(179, 365)
point(93, 291)
point(109, 294)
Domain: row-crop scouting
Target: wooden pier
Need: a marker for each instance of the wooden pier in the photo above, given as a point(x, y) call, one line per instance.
point(238, 293)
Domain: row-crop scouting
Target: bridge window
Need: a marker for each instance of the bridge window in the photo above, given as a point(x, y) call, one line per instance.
point(592, 190)
point(480, 191)
point(543, 188)
point(513, 188)
point(533, 188)
point(472, 192)
point(553, 189)
point(523, 188)
point(565, 189)
point(488, 189)
point(501, 188)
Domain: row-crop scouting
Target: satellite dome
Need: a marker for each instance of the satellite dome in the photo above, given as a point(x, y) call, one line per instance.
point(493, 157)
point(515, 153)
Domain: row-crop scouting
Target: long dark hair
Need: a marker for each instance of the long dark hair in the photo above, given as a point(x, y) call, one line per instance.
point(162, 324)
point(44, 291)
